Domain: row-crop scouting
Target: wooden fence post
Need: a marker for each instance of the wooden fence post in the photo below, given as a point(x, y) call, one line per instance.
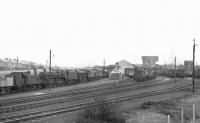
point(182, 116)
point(193, 106)
point(168, 118)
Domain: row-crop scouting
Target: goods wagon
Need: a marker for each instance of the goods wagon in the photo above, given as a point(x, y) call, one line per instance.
point(115, 75)
point(19, 78)
point(72, 76)
point(20, 81)
point(6, 83)
point(92, 75)
point(144, 74)
point(172, 73)
point(105, 74)
point(83, 76)
point(151, 74)
point(12, 81)
point(56, 78)
point(33, 80)
point(129, 72)
point(43, 77)
point(197, 73)
point(180, 73)
point(139, 74)
point(161, 72)
point(189, 73)
point(99, 74)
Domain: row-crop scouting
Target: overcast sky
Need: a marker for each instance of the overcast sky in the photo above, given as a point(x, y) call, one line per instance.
point(84, 32)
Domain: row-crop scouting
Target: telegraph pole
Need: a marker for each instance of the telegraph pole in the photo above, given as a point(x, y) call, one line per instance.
point(17, 62)
point(193, 67)
point(117, 70)
point(49, 67)
point(50, 62)
point(117, 64)
point(104, 62)
point(175, 67)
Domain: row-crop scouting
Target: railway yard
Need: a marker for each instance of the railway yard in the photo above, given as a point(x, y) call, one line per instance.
point(37, 105)
point(40, 95)
point(75, 61)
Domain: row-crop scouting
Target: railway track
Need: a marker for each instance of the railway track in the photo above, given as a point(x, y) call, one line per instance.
point(20, 100)
point(64, 109)
point(53, 94)
point(5, 102)
point(6, 109)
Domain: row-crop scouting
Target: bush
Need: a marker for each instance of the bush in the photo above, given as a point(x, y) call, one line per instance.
point(101, 112)
point(146, 105)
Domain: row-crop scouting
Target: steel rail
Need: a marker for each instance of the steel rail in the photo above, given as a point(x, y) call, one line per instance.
point(47, 95)
point(7, 102)
point(71, 98)
point(59, 110)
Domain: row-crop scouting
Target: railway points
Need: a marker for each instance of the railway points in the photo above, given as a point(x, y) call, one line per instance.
point(62, 90)
point(82, 87)
point(142, 94)
point(123, 87)
point(92, 57)
point(58, 89)
point(128, 87)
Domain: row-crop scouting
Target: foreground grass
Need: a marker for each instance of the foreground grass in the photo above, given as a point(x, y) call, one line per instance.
point(173, 108)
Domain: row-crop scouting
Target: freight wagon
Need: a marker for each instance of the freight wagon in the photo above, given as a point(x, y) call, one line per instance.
point(172, 73)
point(143, 74)
point(92, 75)
point(115, 75)
point(139, 75)
point(6, 83)
point(129, 72)
point(19, 81)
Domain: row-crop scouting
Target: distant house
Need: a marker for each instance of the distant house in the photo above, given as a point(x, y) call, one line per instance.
point(13, 64)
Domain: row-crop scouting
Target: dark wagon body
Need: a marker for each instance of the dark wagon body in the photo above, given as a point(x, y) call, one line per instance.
point(22, 81)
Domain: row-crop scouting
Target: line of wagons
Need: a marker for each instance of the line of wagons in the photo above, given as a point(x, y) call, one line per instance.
point(37, 79)
point(178, 73)
point(138, 73)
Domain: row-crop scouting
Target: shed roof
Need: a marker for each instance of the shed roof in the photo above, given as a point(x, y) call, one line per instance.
point(125, 63)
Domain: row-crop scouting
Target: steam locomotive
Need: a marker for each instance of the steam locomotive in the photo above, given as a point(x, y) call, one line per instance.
point(28, 80)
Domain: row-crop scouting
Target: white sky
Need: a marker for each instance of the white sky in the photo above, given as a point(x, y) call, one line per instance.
point(84, 32)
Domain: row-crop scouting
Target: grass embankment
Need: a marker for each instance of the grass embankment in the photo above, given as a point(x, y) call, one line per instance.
point(174, 106)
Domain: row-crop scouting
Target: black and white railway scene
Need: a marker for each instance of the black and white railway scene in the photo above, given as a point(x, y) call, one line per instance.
point(99, 61)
